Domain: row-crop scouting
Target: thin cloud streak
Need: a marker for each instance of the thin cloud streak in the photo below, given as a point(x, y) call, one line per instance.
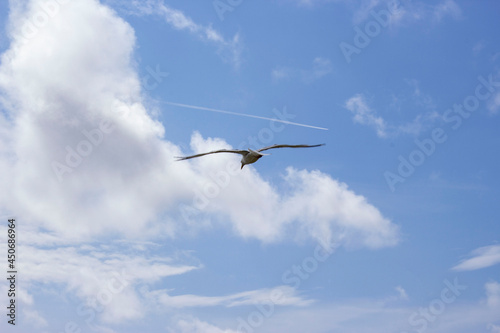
point(288, 297)
point(480, 258)
point(243, 115)
point(228, 49)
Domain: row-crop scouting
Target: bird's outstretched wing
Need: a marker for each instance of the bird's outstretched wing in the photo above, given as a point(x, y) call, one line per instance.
point(237, 151)
point(290, 146)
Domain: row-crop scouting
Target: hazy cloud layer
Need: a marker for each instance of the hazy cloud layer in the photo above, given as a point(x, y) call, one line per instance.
point(390, 314)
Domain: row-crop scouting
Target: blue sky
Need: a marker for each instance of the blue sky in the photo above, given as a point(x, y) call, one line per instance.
point(390, 227)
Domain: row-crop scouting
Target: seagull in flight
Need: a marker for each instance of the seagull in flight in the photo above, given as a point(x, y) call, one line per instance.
point(248, 156)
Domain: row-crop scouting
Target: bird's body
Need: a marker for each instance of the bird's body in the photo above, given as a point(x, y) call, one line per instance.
point(249, 156)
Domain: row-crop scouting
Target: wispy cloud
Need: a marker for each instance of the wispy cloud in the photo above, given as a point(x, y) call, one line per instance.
point(402, 293)
point(478, 48)
point(100, 276)
point(494, 328)
point(420, 98)
point(229, 49)
point(288, 297)
point(494, 104)
point(402, 13)
point(364, 115)
point(33, 317)
point(194, 325)
point(402, 103)
point(311, 3)
point(480, 258)
point(492, 293)
point(399, 12)
point(363, 9)
point(409, 12)
point(381, 315)
point(446, 8)
point(320, 67)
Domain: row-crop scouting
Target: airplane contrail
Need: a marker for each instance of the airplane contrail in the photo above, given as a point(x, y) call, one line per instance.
point(243, 115)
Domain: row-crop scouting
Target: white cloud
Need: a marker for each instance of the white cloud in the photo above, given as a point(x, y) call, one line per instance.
point(34, 318)
point(98, 280)
point(399, 12)
point(494, 104)
point(421, 99)
point(320, 67)
point(478, 47)
point(109, 275)
point(363, 10)
point(402, 293)
point(25, 297)
point(56, 88)
point(407, 12)
point(194, 325)
point(383, 315)
point(480, 258)
point(400, 104)
point(52, 100)
point(281, 73)
point(364, 115)
point(492, 293)
point(129, 183)
point(494, 328)
point(420, 123)
point(316, 205)
point(311, 3)
point(445, 8)
point(327, 208)
point(411, 12)
point(229, 49)
point(285, 295)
